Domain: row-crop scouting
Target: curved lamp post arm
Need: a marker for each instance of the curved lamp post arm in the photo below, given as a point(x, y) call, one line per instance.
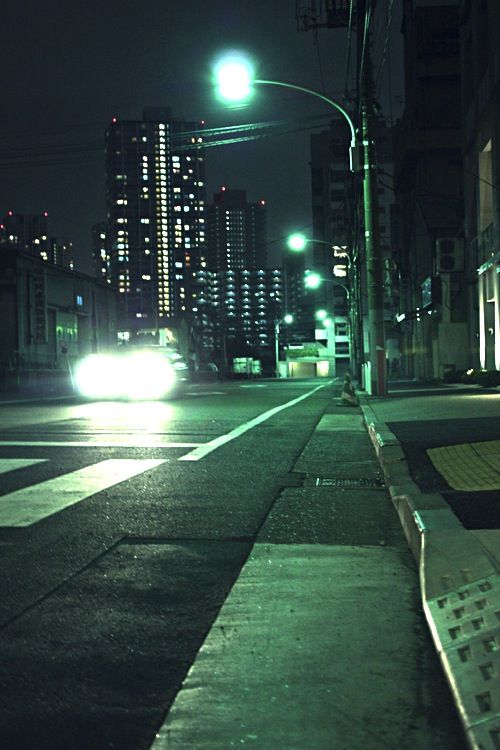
point(332, 103)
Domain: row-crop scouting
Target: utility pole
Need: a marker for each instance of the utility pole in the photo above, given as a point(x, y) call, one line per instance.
point(338, 16)
point(373, 250)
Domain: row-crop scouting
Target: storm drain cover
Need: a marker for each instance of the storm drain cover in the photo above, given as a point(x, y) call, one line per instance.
point(348, 483)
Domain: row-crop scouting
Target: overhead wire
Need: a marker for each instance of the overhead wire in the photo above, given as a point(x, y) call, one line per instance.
point(320, 62)
point(348, 54)
point(378, 76)
point(366, 27)
point(83, 153)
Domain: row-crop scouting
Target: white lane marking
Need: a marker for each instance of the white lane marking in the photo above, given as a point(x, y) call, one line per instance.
point(207, 393)
point(138, 442)
point(29, 505)
point(11, 464)
point(212, 445)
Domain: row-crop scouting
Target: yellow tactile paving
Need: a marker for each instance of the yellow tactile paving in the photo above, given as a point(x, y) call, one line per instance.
point(470, 466)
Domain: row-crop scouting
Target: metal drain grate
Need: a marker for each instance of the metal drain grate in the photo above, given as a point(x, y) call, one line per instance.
point(349, 483)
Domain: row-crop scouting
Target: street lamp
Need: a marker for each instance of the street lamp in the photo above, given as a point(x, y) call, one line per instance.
point(234, 78)
point(288, 318)
point(313, 280)
point(298, 241)
point(235, 82)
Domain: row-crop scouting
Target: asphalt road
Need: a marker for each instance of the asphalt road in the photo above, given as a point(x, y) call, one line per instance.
point(125, 528)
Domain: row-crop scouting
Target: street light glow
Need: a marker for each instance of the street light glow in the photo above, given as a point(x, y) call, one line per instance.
point(321, 314)
point(296, 242)
point(234, 74)
point(312, 280)
point(288, 318)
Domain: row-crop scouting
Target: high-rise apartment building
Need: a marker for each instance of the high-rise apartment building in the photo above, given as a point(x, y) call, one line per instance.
point(100, 251)
point(156, 219)
point(236, 232)
point(28, 233)
point(236, 311)
point(62, 253)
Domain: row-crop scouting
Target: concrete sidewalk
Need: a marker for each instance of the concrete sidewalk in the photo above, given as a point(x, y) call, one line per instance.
point(459, 431)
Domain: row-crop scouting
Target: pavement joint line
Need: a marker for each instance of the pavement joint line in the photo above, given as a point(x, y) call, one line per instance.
point(460, 591)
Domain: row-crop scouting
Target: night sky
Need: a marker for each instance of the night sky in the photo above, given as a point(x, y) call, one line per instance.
point(69, 67)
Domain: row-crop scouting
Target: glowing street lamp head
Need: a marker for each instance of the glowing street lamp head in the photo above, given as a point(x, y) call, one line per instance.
point(296, 242)
point(312, 280)
point(234, 75)
point(288, 318)
point(321, 314)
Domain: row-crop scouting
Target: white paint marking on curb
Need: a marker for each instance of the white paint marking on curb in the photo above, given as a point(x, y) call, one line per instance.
point(29, 505)
point(212, 445)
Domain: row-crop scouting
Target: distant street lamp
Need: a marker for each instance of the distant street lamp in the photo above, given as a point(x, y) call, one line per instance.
point(288, 318)
point(313, 280)
point(234, 75)
point(298, 242)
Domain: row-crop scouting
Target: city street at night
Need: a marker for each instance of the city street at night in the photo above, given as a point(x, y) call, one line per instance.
point(221, 569)
point(250, 375)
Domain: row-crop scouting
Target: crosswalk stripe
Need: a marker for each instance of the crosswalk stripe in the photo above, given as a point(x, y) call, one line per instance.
point(11, 464)
point(26, 506)
point(135, 442)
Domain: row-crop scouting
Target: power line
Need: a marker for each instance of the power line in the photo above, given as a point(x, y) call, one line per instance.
point(84, 153)
point(348, 55)
point(378, 77)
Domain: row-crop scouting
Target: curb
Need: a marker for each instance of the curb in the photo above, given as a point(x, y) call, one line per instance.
point(459, 586)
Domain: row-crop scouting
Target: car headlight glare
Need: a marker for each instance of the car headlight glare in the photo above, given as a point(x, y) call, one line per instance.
point(134, 375)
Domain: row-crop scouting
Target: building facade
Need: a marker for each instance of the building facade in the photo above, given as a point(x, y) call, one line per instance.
point(29, 233)
point(155, 187)
point(51, 317)
point(236, 314)
point(433, 288)
point(100, 251)
point(480, 75)
point(236, 232)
